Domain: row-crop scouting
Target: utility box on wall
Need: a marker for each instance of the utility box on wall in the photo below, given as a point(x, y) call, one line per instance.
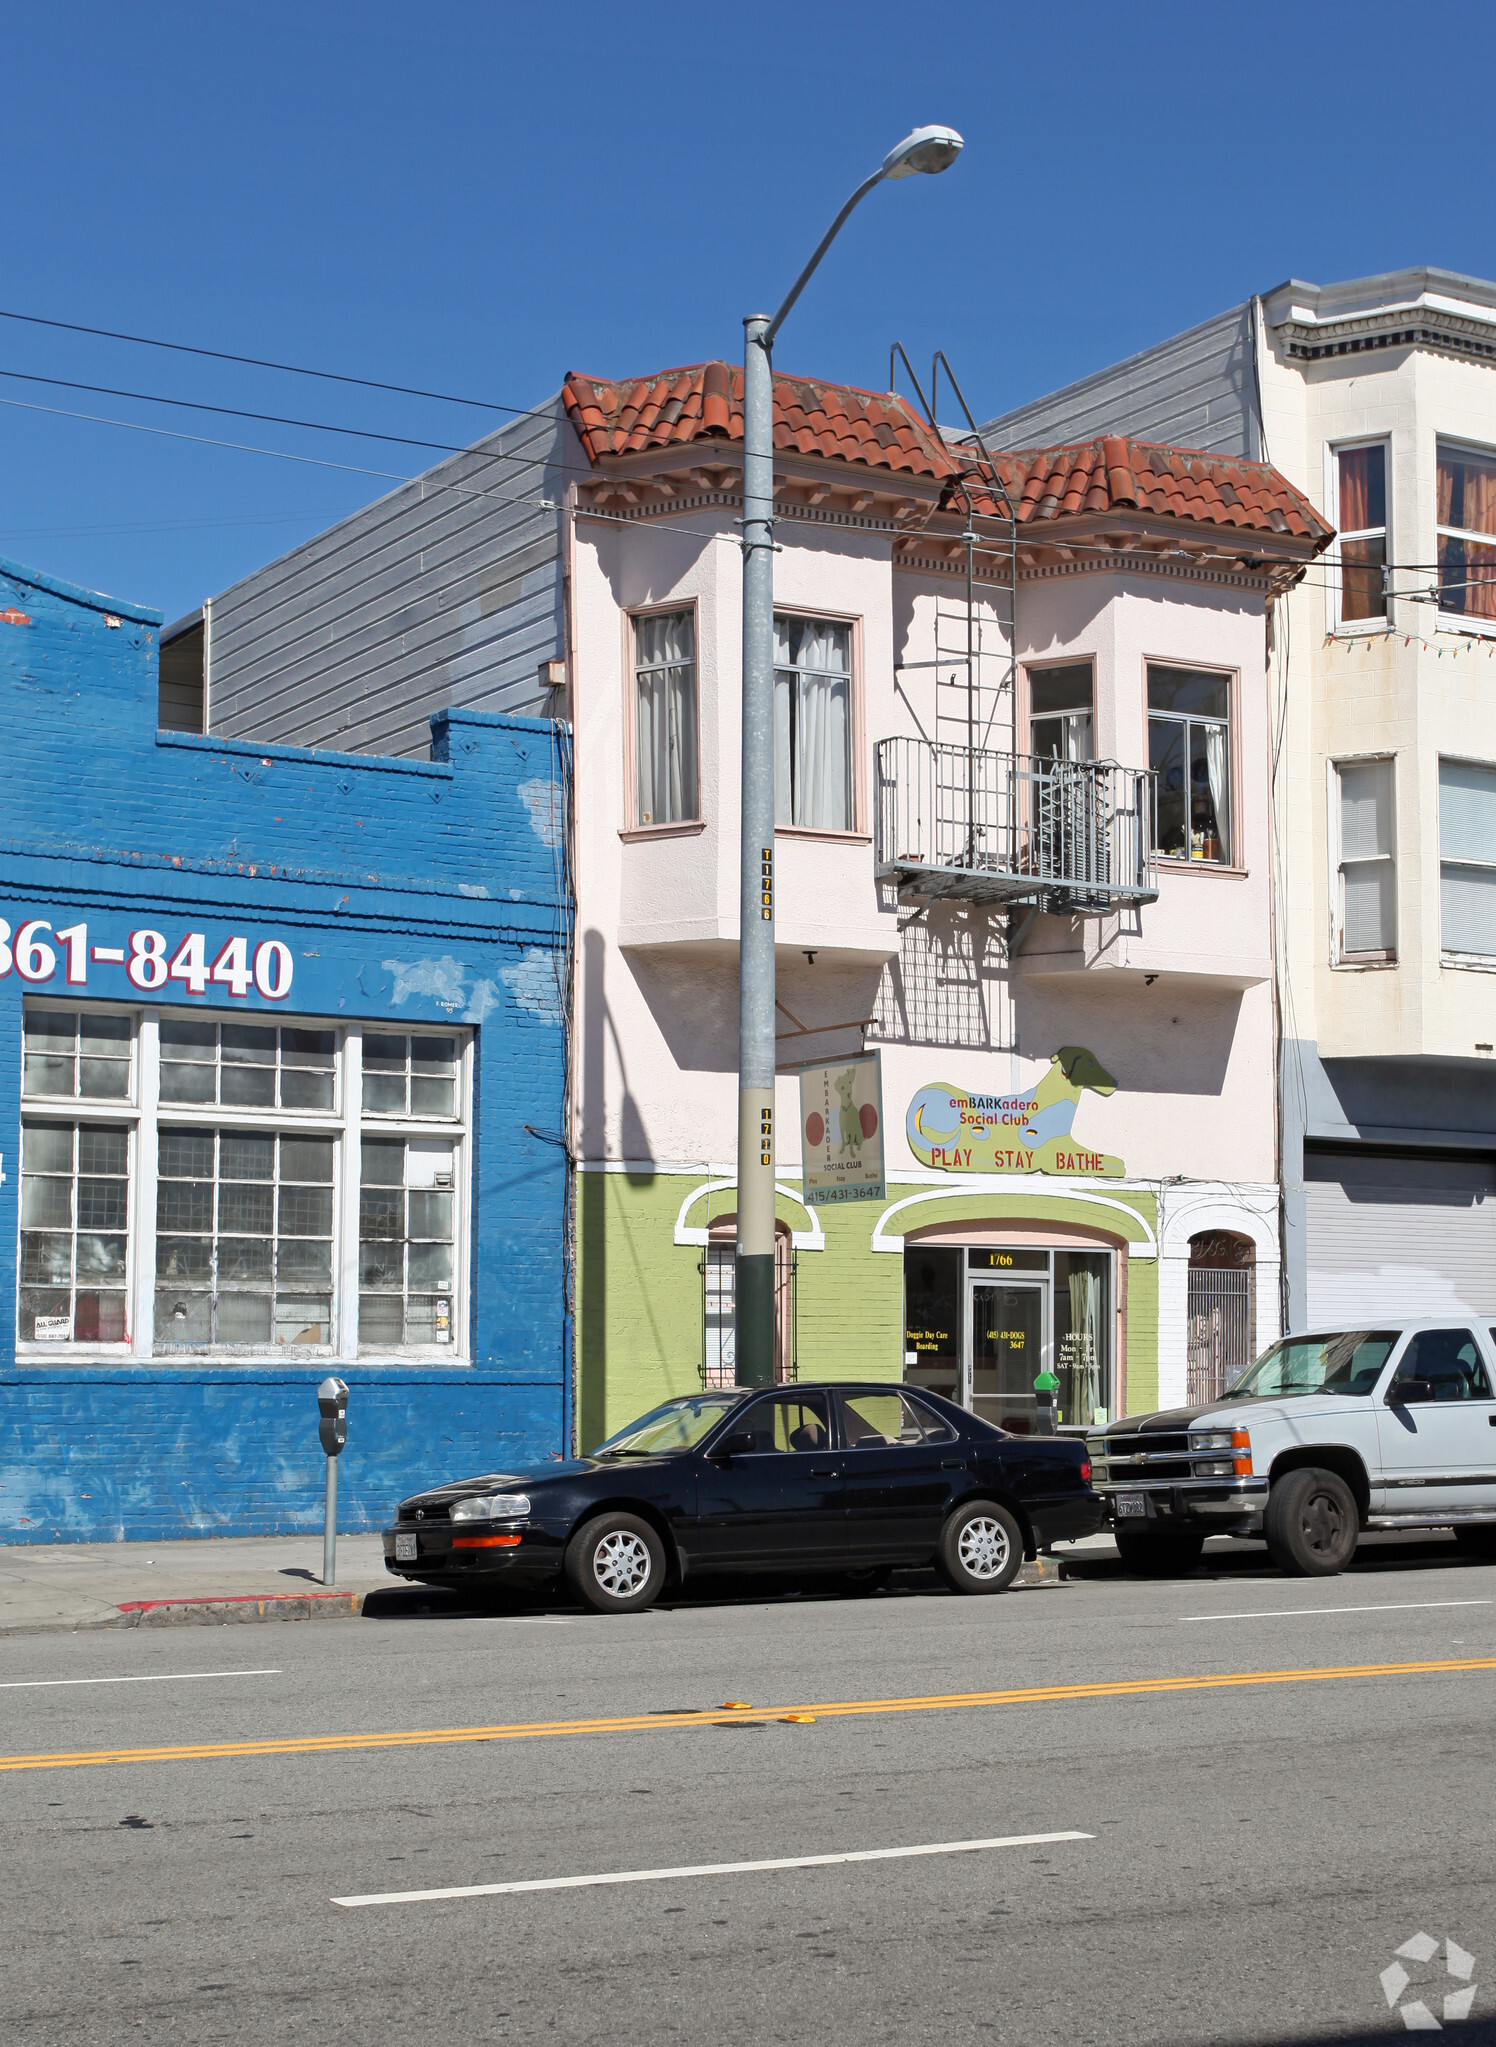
point(276, 1028)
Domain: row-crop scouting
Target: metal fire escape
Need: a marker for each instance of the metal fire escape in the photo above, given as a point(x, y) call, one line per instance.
point(985, 824)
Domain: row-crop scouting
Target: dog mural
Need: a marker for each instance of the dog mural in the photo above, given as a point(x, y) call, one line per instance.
point(849, 1116)
point(959, 1132)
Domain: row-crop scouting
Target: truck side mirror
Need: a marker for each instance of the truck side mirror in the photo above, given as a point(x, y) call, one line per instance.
point(1409, 1392)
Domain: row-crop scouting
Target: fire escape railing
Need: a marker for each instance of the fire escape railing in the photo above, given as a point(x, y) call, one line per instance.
point(1015, 828)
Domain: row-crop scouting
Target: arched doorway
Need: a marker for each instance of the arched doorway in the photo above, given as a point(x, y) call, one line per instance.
point(1222, 1313)
point(719, 1301)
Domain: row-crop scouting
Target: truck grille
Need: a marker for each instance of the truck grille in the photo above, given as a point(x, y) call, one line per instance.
point(1143, 1459)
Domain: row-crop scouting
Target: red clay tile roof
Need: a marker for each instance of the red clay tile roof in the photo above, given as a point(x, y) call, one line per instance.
point(705, 402)
point(1112, 474)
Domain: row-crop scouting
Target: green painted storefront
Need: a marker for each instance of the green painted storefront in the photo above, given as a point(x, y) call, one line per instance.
point(642, 1247)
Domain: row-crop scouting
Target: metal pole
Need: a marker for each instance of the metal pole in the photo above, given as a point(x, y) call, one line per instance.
point(330, 1525)
point(753, 1295)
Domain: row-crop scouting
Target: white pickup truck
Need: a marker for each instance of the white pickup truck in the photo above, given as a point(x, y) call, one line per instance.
point(1391, 1426)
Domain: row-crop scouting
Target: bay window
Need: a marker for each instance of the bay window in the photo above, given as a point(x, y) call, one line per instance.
point(813, 724)
point(1466, 534)
point(1467, 859)
point(1360, 514)
point(1061, 712)
point(1189, 743)
point(199, 1187)
point(665, 749)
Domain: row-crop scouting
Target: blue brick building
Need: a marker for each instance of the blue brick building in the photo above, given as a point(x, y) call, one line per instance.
point(282, 1073)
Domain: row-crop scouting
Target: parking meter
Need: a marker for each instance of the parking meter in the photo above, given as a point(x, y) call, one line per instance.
point(332, 1406)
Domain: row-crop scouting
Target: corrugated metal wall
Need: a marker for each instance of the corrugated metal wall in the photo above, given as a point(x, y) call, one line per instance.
point(447, 593)
point(1193, 391)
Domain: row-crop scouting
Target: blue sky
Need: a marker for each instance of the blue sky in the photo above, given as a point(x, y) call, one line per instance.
point(477, 198)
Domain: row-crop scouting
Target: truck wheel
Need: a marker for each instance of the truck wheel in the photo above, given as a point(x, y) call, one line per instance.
point(1311, 1524)
point(1477, 1542)
point(617, 1564)
point(1158, 1556)
point(981, 1548)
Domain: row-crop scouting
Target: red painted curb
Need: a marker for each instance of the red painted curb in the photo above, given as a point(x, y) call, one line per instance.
point(231, 1599)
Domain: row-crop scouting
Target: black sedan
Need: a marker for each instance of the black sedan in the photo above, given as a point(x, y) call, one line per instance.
point(854, 1481)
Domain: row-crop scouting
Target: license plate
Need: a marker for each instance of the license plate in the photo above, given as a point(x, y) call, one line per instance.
point(405, 1549)
point(1131, 1507)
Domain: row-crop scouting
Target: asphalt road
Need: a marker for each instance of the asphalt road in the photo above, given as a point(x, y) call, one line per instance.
point(1254, 1853)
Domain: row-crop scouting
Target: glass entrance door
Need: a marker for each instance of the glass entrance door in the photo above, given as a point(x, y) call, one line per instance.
point(1008, 1338)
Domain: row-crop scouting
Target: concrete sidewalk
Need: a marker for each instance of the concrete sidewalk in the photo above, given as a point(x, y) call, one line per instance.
point(133, 1584)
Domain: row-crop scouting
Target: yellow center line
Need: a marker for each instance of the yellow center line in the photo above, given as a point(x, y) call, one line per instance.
point(640, 1723)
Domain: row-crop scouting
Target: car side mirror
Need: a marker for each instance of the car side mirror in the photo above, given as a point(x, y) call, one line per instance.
point(1409, 1392)
point(734, 1445)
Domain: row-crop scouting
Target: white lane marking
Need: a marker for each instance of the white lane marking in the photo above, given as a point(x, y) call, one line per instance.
point(536, 1620)
point(1287, 1613)
point(647, 1876)
point(163, 1677)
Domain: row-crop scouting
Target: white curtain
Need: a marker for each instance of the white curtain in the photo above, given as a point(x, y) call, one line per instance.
point(812, 724)
point(665, 741)
point(1220, 787)
point(1085, 1324)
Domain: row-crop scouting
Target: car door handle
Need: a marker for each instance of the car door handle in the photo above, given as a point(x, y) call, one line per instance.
point(953, 1464)
point(823, 1471)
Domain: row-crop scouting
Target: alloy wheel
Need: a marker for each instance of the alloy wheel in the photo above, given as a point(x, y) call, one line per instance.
point(621, 1564)
point(983, 1547)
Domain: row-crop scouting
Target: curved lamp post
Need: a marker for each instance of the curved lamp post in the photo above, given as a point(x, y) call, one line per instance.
point(927, 149)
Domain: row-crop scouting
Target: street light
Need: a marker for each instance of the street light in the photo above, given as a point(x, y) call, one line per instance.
point(929, 150)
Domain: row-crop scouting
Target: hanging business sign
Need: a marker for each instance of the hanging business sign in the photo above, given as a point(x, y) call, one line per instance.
point(958, 1132)
point(841, 1131)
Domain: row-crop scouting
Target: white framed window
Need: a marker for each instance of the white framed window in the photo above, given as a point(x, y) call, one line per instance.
point(1358, 511)
point(666, 783)
point(1465, 537)
point(194, 1186)
point(1467, 859)
point(1062, 712)
point(813, 724)
point(1189, 744)
point(1366, 861)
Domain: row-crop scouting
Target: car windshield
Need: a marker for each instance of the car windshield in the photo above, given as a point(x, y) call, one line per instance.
point(678, 1425)
point(1349, 1361)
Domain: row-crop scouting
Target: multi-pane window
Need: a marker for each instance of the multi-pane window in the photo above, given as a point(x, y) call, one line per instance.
point(1368, 863)
point(414, 1076)
point(244, 1239)
point(407, 1242)
point(1466, 535)
point(265, 1171)
point(247, 1066)
point(1061, 724)
point(75, 1242)
point(1467, 858)
point(82, 1054)
point(665, 718)
point(1361, 517)
point(1189, 744)
point(813, 724)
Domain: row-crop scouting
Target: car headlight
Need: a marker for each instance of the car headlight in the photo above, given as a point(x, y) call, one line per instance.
point(493, 1507)
point(1215, 1439)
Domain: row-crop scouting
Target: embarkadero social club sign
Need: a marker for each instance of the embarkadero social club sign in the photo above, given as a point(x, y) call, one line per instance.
point(1033, 1132)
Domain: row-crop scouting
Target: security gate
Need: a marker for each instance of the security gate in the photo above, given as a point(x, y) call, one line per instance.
point(1221, 1319)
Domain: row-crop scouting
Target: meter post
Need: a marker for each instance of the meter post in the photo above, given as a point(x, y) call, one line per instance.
point(332, 1406)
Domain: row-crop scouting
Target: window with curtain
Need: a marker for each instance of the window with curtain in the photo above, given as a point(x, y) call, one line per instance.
point(1361, 516)
point(1466, 535)
point(1061, 703)
point(813, 724)
point(1368, 864)
point(1189, 744)
point(665, 718)
point(1467, 858)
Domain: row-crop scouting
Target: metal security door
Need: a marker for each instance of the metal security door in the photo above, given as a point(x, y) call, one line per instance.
point(1007, 1346)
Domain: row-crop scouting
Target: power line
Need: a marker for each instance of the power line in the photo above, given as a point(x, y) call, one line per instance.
point(261, 363)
